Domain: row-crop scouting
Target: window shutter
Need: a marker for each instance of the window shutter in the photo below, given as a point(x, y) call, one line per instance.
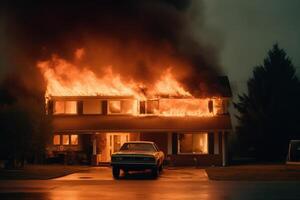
point(174, 143)
point(210, 143)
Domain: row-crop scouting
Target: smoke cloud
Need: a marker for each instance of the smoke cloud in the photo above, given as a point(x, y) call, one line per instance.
point(137, 38)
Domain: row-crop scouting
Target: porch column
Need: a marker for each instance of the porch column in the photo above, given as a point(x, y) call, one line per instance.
point(169, 143)
point(94, 146)
point(94, 156)
point(224, 157)
point(216, 142)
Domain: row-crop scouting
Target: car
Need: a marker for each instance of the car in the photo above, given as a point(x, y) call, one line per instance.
point(137, 156)
point(294, 152)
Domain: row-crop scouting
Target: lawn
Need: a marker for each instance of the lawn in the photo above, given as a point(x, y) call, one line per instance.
point(266, 172)
point(40, 172)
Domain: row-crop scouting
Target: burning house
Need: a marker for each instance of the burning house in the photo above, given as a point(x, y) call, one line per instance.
point(143, 70)
point(93, 116)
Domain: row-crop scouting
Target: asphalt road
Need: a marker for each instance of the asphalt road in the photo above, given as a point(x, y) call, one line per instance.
point(143, 187)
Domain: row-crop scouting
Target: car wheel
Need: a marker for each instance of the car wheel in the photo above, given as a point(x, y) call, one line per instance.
point(155, 172)
point(116, 172)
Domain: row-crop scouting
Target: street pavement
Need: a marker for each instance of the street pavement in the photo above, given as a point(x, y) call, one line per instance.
point(173, 184)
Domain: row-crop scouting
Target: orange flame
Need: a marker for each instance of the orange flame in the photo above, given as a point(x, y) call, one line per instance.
point(169, 86)
point(64, 78)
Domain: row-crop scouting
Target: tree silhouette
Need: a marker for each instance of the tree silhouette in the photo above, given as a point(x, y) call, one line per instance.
point(269, 112)
point(25, 129)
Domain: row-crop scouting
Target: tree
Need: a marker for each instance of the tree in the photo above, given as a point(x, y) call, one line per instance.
point(269, 112)
point(25, 128)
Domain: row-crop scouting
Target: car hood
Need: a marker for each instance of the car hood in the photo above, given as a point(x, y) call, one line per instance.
point(139, 153)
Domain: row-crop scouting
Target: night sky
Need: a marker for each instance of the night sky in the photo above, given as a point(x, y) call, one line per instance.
point(249, 29)
point(242, 31)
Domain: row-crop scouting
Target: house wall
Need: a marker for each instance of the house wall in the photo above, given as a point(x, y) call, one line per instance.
point(160, 139)
point(195, 160)
point(166, 141)
point(70, 154)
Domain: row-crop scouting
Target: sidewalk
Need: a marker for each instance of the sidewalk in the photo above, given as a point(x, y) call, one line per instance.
point(40, 172)
point(255, 172)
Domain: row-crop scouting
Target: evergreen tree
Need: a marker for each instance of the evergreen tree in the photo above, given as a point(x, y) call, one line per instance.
point(269, 112)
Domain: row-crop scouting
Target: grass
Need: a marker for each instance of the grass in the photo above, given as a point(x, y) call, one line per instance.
point(40, 172)
point(269, 172)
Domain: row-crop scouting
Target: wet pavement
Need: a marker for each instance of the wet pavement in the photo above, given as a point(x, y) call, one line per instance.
point(104, 173)
point(173, 184)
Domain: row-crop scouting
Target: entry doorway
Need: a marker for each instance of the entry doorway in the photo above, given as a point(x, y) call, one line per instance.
point(114, 142)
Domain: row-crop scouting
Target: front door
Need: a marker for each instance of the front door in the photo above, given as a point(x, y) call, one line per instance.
point(115, 141)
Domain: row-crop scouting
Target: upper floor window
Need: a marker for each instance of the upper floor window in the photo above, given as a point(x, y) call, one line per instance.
point(126, 106)
point(149, 107)
point(65, 107)
point(220, 106)
point(92, 106)
point(152, 107)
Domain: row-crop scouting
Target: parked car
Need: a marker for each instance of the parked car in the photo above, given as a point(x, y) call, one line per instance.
point(136, 156)
point(294, 152)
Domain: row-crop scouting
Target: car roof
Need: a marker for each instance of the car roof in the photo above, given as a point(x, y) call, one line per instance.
point(142, 142)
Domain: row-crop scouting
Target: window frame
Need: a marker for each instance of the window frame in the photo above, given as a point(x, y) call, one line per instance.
point(56, 135)
point(69, 139)
point(192, 153)
point(133, 112)
point(64, 107)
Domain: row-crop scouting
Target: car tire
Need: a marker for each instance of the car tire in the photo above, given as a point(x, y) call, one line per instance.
point(155, 172)
point(116, 172)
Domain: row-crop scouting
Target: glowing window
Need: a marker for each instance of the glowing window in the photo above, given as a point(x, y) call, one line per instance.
point(74, 139)
point(219, 106)
point(65, 107)
point(126, 106)
point(92, 106)
point(59, 107)
point(65, 140)
point(114, 106)
point(70, 107)
point(56, 139)
point(152, 107)
point(196, 143)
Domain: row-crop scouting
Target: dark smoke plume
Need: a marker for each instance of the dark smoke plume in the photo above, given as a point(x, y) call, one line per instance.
point(143, 32)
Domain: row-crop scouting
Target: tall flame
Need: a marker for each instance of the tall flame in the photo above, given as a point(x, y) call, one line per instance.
point(168, 85)
point(64, 78)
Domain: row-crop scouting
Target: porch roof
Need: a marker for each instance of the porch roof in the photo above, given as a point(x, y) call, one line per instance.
point(86, 124)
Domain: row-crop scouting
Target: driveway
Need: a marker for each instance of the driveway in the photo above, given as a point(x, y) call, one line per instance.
point(173, 184)
point(104, 173)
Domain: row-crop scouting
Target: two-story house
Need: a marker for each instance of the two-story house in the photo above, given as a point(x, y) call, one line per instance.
point(190, 131)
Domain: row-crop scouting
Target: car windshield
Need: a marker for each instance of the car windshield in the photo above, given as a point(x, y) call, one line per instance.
point(138, 147)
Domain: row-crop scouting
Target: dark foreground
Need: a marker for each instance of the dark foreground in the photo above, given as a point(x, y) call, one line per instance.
point(147, 189)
